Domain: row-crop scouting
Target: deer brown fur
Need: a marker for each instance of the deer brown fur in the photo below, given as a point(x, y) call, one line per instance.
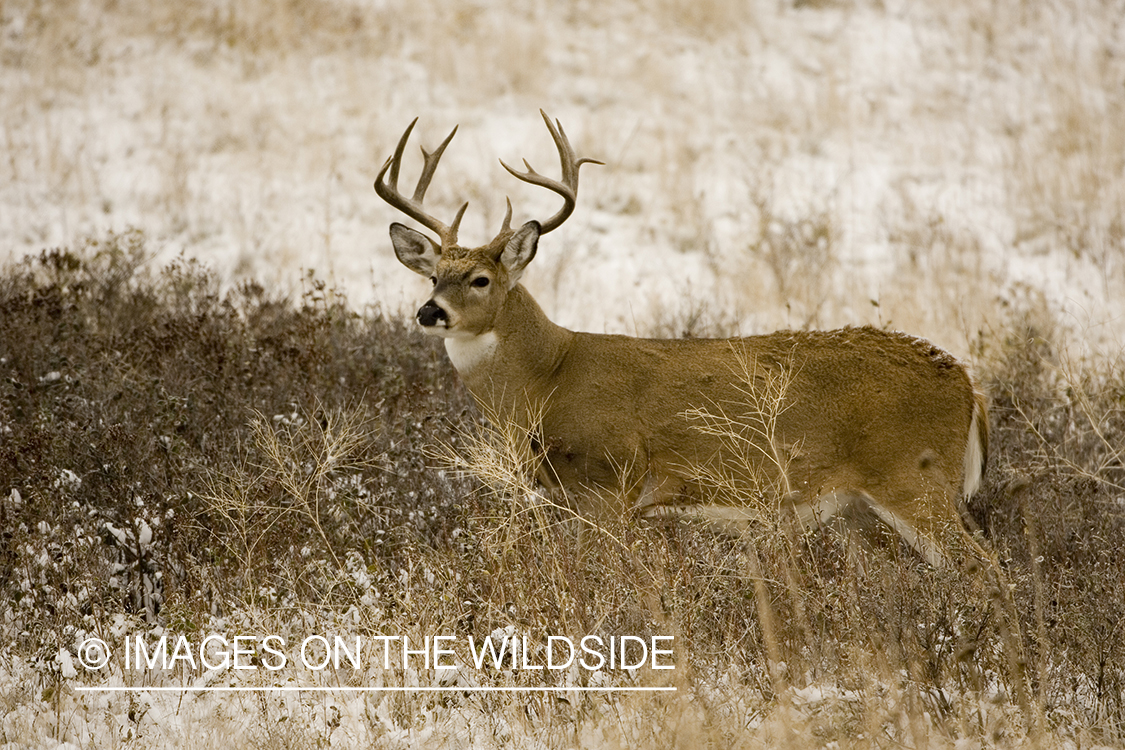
point(818, 420)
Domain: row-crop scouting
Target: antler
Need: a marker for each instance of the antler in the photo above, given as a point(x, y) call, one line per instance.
point(568, 188)
point(412, 207)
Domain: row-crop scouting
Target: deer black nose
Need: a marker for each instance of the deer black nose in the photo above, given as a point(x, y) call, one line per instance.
point(431, 313)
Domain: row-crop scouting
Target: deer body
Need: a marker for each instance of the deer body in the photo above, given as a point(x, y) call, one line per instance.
point(819, 419)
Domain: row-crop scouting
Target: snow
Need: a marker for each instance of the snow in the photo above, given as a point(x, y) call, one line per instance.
point(956, 154)
point(991, 126)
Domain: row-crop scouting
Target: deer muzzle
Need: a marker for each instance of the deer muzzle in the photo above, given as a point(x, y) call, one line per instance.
point(432, 314)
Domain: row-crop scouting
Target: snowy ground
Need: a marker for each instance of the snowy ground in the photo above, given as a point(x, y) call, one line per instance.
point(808, 164)
point(818, 165)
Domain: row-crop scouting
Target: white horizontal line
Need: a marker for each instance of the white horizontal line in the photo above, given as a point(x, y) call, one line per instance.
point(327, 689)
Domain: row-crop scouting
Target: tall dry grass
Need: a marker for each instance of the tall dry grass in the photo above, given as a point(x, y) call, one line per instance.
point(280, 456)
point(276, 450)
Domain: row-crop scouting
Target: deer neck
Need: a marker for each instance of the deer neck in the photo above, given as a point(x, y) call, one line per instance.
point(523, 348)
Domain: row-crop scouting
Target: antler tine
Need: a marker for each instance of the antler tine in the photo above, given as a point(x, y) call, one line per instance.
point(507, 227)
point(568, 187)
point(569, 163)
point(396, 161)
point(412, 207)
point(430, 165)
point(457, 223)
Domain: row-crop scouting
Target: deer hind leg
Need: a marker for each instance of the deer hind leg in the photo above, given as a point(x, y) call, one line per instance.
point(920, 536)
point(848, 513)
point(928, 519)
point(930, 550)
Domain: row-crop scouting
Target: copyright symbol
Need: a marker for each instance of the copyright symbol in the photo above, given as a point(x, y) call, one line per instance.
point(93, 653)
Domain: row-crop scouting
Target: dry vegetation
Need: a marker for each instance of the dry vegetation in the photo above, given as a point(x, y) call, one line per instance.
point(185, 451)
point(276, 453)
point(792, 162)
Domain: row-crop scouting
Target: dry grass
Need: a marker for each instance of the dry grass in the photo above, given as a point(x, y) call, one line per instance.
point(302, 502)
point(182, 453)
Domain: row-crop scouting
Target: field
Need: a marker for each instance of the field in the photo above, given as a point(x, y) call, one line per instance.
point(216, 418)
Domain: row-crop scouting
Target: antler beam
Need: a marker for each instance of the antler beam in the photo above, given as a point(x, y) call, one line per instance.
point(412, 207)
point(568, 187)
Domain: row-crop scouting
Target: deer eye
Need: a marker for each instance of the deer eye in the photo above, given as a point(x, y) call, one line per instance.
point(480, 282)
point(433, 280)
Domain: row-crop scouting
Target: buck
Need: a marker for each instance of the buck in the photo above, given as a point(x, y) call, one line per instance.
point(818, 420)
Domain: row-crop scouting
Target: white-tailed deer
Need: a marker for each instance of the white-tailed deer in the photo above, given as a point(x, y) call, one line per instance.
point(823, 419)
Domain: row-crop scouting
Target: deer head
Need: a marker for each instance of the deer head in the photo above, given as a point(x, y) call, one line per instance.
point(471, 284)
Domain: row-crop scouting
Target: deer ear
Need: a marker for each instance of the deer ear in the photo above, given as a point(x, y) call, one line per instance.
point(520, 250)
point(415, 250)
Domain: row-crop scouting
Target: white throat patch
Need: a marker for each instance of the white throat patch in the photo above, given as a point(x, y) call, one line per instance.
point(466, 352)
